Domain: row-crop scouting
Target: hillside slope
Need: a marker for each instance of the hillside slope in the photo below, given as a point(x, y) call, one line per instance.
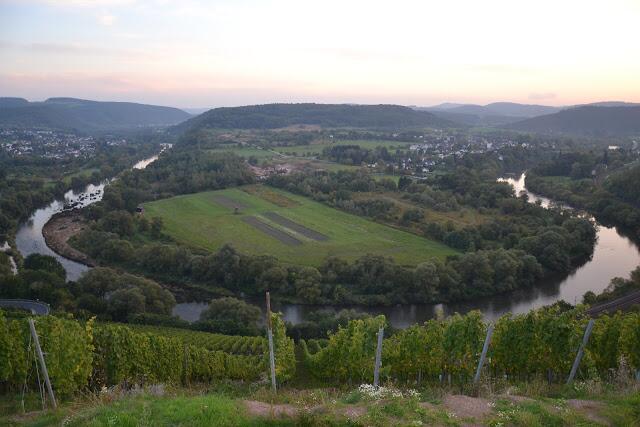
point(84, 115)
point(272, 116)
point(585, 121)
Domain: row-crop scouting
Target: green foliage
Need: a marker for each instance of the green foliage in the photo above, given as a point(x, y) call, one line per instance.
point(531, 344)
point(284, 349)
point(77, 354)
point(350, 352)
point(66, 343)
point(232, 344)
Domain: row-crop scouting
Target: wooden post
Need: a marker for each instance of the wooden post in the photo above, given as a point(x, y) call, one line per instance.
point(272, 359)
point(485, 348)
point(43, 365)
point(576, 362)
point(376, 369)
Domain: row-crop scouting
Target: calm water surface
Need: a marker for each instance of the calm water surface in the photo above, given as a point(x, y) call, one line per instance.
point(29, 238)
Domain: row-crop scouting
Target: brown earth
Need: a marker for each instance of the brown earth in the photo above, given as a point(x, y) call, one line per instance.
point(590, 409)
point(59, 229)
point(262, 409)
point(467, 407)
point(298, 228)
point(272, 231)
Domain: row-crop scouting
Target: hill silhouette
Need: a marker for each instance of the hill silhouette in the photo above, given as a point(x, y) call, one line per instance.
point(84, 115)
point(273, 116)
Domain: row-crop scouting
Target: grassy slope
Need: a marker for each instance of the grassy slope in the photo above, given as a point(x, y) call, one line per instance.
point(198, 221)
point(320, 407)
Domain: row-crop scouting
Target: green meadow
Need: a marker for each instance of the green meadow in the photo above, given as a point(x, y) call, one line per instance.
point(198, 220)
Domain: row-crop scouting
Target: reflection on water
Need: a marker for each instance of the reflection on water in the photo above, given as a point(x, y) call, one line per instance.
point(614, 256)
point(29, 238)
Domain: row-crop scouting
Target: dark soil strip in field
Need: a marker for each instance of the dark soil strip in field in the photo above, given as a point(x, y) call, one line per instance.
point(273, 232)
point(285, 222)
point(228, 202)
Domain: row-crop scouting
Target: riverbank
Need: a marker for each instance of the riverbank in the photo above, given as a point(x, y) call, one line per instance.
point(59, 229)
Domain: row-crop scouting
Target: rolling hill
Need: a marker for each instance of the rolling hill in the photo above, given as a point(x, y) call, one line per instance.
point(84, 115)
point(273, 116)
point(585, 121)
point(495, 114)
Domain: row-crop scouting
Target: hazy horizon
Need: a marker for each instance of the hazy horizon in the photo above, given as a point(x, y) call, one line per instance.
point(199, 54)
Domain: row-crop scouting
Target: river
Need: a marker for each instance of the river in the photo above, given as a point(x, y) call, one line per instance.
point(29, 238)
point(614, 256)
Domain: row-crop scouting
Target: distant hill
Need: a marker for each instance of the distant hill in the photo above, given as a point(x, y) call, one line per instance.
point(611, 104)
point(495, 114)
point(83, 115)
point(509, 109)
point(585, 121)
point(474, 119)
point(13, 102)
point(273, 116)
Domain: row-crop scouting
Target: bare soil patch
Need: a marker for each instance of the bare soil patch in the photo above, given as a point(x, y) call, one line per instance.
point(467, 407)
point(270, 196)
point(261, 409)
point(59, 229)
point(590, 409)
point(298, 228)
point(228, 202)
point(271, 231)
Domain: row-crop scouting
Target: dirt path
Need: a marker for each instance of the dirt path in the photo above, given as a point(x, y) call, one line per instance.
point(59, 229)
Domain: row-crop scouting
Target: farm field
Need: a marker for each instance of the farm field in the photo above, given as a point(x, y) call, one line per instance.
point(309, 150)
point(292, 228)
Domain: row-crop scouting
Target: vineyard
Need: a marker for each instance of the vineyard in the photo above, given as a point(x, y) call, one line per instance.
point(541, 343)
point(81, 354)
point(215, 342)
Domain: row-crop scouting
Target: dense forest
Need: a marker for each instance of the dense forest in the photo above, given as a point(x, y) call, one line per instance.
point(603, 184)
point(272, 116)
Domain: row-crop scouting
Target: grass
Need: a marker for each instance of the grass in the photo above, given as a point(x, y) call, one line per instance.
point(196, 220)
point(237, 405)
point(148, 410)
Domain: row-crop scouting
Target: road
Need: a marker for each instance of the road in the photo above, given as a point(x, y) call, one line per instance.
point(611, 307)
point(35, 307)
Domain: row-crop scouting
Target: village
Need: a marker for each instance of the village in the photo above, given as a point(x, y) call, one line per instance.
point(52, 144)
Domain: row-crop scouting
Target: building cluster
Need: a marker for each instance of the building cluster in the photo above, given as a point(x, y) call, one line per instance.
point(51, 144)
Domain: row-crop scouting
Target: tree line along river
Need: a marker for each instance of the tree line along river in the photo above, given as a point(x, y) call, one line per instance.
point(614, 256)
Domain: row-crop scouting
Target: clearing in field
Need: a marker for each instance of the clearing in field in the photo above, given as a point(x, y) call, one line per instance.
point(294, 229)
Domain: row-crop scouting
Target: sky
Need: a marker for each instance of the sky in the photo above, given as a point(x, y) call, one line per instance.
point(210, 53)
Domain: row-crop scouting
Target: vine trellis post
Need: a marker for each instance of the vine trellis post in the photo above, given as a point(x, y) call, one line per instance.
point(576, 362)
point(272, 361)
point(376, 369)
point(483, 355)
point(43, 365)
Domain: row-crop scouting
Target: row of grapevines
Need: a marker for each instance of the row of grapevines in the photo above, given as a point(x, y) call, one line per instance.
point(79, 354)
point(228, 343)
point(67, 344)
point(536, 343)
